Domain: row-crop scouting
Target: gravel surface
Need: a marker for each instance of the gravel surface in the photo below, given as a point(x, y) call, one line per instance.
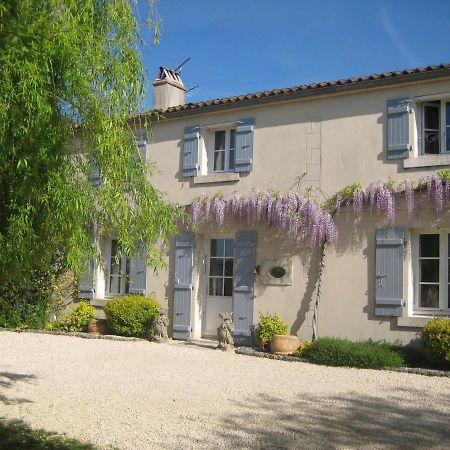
point(142, 395)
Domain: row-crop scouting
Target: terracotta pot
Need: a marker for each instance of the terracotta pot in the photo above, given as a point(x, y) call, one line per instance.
point(265, 345)
point(283, 344)
point(97, 326)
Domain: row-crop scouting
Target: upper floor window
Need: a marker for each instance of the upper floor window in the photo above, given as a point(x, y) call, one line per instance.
point(220, 147)
point(224, 150)
point(435, 134)
point(430, 116)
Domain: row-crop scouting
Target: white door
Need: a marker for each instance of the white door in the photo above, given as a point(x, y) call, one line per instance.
point(219, 298)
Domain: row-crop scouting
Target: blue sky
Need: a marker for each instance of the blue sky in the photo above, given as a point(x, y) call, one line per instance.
point(241, 46)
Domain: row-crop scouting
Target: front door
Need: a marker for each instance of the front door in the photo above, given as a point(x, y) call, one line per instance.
point(219, 298)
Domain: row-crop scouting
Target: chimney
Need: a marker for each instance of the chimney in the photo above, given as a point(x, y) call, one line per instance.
point(168, 89)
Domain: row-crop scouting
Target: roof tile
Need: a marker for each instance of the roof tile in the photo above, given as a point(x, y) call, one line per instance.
point(301, 88)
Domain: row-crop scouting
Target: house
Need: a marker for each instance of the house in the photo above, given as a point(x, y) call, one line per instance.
point(383, 278)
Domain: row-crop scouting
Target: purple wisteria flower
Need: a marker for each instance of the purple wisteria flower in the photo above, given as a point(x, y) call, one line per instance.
point(292, 213)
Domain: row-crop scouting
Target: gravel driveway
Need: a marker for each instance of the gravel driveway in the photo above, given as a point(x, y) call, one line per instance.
point(139, 395)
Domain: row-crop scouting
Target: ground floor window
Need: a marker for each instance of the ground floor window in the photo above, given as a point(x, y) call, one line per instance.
point(220, 280)
point(118, 271)
point(432, 268)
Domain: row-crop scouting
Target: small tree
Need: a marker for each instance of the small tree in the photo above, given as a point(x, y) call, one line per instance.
point(70, 77)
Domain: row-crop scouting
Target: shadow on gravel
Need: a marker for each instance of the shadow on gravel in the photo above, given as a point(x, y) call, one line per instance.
point(391, 422)
point(15, 434)
point(7, 379)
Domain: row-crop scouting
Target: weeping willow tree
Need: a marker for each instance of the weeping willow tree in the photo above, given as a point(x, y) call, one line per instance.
point(70, 77)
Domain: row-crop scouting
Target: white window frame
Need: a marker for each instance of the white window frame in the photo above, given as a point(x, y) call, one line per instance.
point(209, 257)
point(444, 261)
point(211, 151)
point(422, 102)
point(123, 274)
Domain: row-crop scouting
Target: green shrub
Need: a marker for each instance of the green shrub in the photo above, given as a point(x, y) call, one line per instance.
point(26, 304)
point(413, 357)
point(303, 349)
point(268, 326)
point(132, 315)
point(436, 341)
point(77, 320)
point(340, 352)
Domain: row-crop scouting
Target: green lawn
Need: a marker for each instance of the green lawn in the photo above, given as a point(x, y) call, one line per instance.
point(15, 434)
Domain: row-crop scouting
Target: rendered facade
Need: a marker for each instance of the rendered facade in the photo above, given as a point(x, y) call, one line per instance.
point(381, 280)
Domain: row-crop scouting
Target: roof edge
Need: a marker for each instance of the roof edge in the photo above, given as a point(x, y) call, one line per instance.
point(304, 91)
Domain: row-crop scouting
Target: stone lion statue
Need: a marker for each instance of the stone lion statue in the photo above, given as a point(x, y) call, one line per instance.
point(225, 332)
point(160, 326)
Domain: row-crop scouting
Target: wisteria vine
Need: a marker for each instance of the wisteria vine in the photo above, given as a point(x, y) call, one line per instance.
point(293, 213)
point(300, 216)
point(385, 195)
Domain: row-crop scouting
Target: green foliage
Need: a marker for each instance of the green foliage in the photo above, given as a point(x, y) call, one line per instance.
point(345, 195)
point(132, 315)
point(436, 340)
point(303, 349)
point(268, 326)
point(444, 174)
point(413, 357)
point(26, 304)
point(15, 434)
point(340, 352)
point(70, 78)
point(77, 320)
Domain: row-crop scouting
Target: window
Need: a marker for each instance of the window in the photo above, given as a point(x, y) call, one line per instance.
point(221, 268)
point(118, 271)
point(224, 150)
point(435, 134)
point(432, 272)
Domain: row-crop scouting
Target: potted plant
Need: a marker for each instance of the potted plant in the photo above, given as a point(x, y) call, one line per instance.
point(269, 326)
point(97, 326)
point(284, 344)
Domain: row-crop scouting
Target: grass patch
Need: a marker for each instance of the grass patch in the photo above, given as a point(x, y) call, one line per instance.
point(15, 434)
point(343, 353)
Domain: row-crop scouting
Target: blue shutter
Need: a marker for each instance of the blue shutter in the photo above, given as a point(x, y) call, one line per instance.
point(182, 296)
point(142, 147)
point(86, 282)
point(138, 273)
point(398, 110)
point(389, 272)
point(189, 157)
point(243, 293)
point(244, 145)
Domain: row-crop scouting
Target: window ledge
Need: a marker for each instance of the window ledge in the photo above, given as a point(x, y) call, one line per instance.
point(225, 177)
point(413, 321)
point(426, 161)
